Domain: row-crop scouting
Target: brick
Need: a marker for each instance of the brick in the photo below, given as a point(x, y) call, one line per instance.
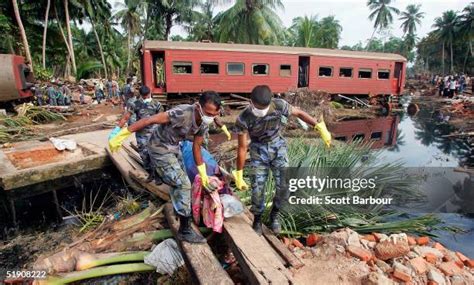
point(297, 243)
point(387, 250)
point(286, 241)
point(401, 275)
point(449, 268)
point(422, 240)
point(469, 263)
point(461, 256)
point(359, 252)
point(431, 282)
point(379, 236)
point(313, 239)
point(411, 240)
point(419, 265)
point(439, 246)
point(431, 258)
point(369, 237)
point(459, 263)
point(436, 276)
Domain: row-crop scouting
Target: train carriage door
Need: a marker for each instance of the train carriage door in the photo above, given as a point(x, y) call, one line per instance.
point(159, 69)
point(397, 77)
point(303, 71)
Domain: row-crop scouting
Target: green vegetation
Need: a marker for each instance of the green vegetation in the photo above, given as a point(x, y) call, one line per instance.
point(86, 38)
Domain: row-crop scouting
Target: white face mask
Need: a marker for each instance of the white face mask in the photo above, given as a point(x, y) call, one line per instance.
point(260, 112)
point(147, 100)
point(205, 119)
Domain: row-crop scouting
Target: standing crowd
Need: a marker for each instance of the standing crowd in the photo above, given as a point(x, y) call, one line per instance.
point(451, 85)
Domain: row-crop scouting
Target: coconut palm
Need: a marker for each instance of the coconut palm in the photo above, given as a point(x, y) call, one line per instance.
point(129, 16)
point(303, 31)
point(445, 31)
point(45, 31)
point(329, 32)
point(411, 17)
point(24, 39)
point(381, 14)
point(252, 22)
point(202, 26)
point(466, 28)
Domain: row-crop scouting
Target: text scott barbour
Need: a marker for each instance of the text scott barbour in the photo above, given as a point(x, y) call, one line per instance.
point(313, 183)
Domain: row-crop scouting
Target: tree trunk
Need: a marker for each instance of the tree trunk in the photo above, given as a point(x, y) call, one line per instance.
point(371, 38)
point(69, 35)
point(129, 49)
point(23, 34)
point(465, 60)
point(451, 50)
point(100, 47)
point(147, 23)
point(62, 31)
point(45, 31)
point(442, 55)
point(169, 24)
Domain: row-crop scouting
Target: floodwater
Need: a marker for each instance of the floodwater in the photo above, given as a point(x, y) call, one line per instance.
point(417, 141)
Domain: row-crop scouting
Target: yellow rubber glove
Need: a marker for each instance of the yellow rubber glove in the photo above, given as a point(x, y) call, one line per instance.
point(323, 131)
point(116, 142)
point(239, 180)
point(226, 132)
point(204, 178)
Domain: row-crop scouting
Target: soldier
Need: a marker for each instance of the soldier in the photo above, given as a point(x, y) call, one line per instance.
point(51, 92)
point(38, 94)
point(127, 91)
point(81, 94)
point(67, 94)
point(143, 107)
point(263, 121)
point(60, 95)
point(174, 126)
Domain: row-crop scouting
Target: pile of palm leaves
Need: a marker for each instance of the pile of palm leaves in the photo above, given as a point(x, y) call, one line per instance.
point(15, 128)
point(354, 160)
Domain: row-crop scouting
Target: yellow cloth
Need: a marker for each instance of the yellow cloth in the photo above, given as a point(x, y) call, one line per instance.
point(239, 180)
point(116, 142)
point(226, 132)
point(323, 131)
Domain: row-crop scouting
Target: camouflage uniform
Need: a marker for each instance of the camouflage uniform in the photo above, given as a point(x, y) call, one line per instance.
point(52, 96)
point(140, 109)
point(163, 147)
point(268, 150)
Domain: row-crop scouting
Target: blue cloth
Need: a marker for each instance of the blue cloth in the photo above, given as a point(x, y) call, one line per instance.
point(190, 166)
point(114, 132)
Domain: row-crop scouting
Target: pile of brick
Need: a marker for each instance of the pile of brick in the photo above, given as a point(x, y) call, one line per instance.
point(393, 259)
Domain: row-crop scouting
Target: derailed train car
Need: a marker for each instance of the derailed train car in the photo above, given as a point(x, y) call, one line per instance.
point(176, 69)
point(16, 78)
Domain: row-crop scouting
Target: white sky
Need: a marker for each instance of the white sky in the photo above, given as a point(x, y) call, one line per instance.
point(353, 15)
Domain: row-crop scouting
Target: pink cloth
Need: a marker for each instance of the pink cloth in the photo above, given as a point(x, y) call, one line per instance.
point(208, 204)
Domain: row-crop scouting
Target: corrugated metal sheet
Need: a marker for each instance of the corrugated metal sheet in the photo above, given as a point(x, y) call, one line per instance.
point(165, 45)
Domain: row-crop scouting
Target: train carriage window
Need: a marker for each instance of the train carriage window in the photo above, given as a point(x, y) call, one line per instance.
point(285, 70)
point(376, 136)
point(260, 69)
point(325, 71)
point(235, 68)
point(358, 137)
point(345, 72)
point(365, 73)
point(383, 74)
point(182, 67)
point(209, 68)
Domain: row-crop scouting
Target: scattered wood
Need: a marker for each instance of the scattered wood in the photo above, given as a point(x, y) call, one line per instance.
point(97, 118)
point(199, 258)
point(257, 259)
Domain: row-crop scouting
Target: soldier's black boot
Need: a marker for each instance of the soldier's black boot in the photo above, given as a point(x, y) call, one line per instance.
point(275, 221)
point(186, 232)
point(257, 224)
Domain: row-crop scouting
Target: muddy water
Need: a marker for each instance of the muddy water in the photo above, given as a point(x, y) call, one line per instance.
point(418, 141)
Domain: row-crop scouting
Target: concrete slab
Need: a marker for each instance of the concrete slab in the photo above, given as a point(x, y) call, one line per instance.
point(31, 162)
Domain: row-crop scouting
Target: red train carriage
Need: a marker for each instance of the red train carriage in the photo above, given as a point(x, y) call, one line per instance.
point(15, 78)
point(179, 68)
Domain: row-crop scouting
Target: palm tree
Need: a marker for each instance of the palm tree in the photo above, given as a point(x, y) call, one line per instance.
point(381, 11)
point(329, 32)
point(45, 31)
point(26, 46)
point(202, 27)
point(304, 30)
point(252, 22)
point(172, 12)
point(466, 28)
point(411, 17)
point(69, 35)
point(97, 11)
point(129, 16)
point(445, 30)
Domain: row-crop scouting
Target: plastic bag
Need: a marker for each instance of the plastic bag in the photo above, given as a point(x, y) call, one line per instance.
point(232, 206)
point(62, 144)
point(166, 257)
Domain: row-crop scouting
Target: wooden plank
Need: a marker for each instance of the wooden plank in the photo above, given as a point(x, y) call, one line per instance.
point(162, 190)
point(119, 159)
point(201, 262)
point(289, 257)
point(257, 259)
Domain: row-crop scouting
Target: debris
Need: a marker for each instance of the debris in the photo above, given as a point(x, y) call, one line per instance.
point(387, 249)
point(62, 144)
point(165, 257)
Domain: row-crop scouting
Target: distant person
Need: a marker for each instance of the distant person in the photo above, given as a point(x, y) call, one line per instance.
point(51, 92)
point(67, 94)
point(452, 87)
point(81, 94)
point(108, 86)
point(441, 87)
point(115, 88)
point(60, 95)
point(127, 92)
